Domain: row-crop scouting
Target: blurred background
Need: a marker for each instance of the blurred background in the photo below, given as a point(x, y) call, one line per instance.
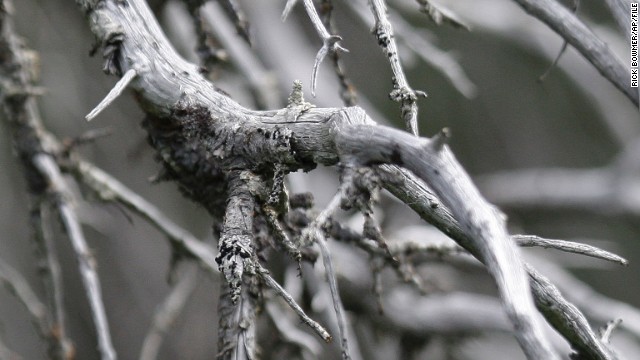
point(509, 131)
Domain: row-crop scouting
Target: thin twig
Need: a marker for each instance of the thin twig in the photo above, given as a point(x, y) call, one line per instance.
point(347, 90)
point(167, 313)
point(110, 189)
point(270, 282)
point(113, 94)
point(86, 263)
point(335, 295)
point(330, 43)
point(60, 346)
point(574, 8)
point(568, 246)
point(401, 92)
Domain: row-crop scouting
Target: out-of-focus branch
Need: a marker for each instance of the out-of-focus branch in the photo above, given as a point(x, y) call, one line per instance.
point(271, 283)
point(167, 313)
point(35, 147)
point(60, 347)
point(61, 193)
point(568, 246)
point(330, 43)
point(574, 31)
point(600, 191)
point(19, 287)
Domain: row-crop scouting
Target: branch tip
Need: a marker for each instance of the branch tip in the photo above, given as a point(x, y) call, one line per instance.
point(113, 94)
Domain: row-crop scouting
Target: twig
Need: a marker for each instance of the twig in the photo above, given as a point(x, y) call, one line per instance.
point(86, 263)
point(167, 313)
point(347, 90)
point(335, 295)
point(270, 282)
point(113, 94)
point(576, 33)
point(330, 43)
point(34, 145)
point(600, 191)
point(568, 246)
point(597, 306)
point(60, 346)
point(402, 92)
point(110, 189)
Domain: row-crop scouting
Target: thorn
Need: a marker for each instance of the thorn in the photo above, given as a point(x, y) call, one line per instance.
point(113, 94)
point(440, 140)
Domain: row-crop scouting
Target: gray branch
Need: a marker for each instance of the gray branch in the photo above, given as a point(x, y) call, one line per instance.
point(576, 33)
point(185, 109)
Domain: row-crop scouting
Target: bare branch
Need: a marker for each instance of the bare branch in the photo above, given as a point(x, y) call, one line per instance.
point(241, 55)
point(335, 295)
point(60, 346)
point(560, 314)
point(86, 263)
point(574, 31)
point(401, 92)
point(569, 246)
